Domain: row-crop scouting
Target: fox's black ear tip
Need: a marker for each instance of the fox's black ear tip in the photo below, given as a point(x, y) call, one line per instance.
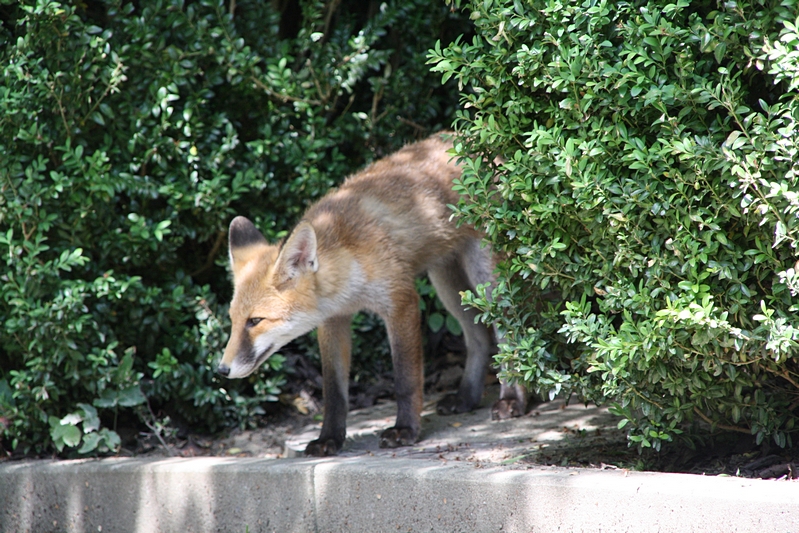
point(244, 233)
point(240, 222)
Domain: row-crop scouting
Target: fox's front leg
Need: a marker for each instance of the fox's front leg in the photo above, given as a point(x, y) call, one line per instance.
point(403, 323)
point(335, 345)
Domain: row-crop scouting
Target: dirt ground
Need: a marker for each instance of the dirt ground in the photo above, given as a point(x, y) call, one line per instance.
point(600, 445)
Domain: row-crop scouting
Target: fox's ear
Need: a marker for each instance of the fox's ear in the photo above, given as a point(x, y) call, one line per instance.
point(245, 243)
point(298, 255)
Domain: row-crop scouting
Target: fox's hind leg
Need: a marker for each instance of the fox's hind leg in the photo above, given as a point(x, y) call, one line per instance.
point(449, 278)
point(512, 402)
point(477, 267)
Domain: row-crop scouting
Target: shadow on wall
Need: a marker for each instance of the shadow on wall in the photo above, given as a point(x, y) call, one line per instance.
point(195, 495)
point(200, 495)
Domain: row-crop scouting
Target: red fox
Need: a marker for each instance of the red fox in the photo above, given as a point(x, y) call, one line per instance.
point(361, 247)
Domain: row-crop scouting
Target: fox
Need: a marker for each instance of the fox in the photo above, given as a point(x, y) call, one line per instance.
point(361, 247)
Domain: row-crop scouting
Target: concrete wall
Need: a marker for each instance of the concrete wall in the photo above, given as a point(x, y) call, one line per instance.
point(376, 494)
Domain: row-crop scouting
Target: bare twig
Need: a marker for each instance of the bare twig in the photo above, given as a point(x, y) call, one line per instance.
point(152, 424)
point(720, 426)
point(412, 124)
point(323, 96)
point(209, 262)
point(376, 97)
point(60, 109)
point(116, 80)
point(282, 97)
point(329, 16)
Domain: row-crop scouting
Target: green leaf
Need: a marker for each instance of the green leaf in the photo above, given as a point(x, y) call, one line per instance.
point(108, 399)
point(131, 396)
point(453, 326)
point(435, 322)
point(65, 435)
point(90, 443)
point(110, 440)
point(91, 422)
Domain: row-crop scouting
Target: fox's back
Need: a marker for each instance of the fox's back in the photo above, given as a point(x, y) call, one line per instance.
point(396, 208)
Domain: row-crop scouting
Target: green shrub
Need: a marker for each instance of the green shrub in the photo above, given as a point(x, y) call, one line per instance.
point(647, 203)
point(131, 133)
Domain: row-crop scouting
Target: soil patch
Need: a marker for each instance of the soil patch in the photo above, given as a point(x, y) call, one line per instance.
point(558, 433)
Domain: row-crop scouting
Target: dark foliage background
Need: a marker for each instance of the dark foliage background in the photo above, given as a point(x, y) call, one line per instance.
point(645, 197)
point(131, 133)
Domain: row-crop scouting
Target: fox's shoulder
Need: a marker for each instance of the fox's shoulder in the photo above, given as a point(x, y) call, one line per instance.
point(403, 197)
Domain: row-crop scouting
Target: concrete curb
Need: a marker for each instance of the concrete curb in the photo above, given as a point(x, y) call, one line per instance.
point(374, 494)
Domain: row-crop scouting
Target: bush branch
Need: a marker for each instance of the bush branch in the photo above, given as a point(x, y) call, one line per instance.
point(720, 426)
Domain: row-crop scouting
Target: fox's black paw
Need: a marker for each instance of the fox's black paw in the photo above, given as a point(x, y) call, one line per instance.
point(323, 448)
point(396, 437)
point(453, 404)
point(507, 408)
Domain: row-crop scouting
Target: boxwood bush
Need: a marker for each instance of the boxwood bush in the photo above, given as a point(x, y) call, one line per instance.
point(639, 169)
point(131, 133)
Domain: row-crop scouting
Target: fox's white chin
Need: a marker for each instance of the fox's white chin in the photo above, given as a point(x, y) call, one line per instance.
point(239, 370)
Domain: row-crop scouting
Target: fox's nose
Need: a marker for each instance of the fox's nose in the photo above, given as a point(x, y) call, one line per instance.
point(223, 369)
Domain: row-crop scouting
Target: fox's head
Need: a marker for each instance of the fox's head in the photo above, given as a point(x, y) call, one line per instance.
point(274, 298)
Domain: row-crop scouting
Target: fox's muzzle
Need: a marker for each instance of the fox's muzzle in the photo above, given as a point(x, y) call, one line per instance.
point(244, 362)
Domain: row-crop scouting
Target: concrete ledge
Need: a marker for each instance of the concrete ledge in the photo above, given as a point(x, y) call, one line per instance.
point(373, 494)
point(137, 495)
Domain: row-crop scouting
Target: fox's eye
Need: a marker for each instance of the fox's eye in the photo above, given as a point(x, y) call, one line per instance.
point(252, 322)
